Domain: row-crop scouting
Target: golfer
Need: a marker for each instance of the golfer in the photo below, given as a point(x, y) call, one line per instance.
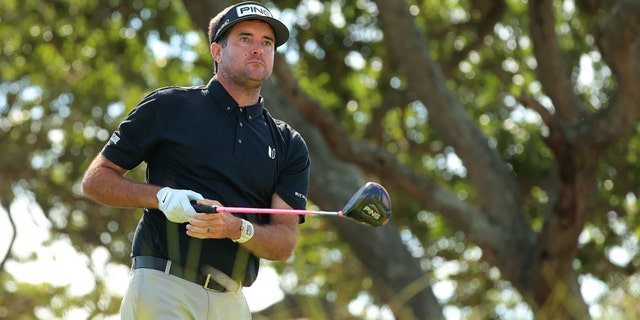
point(214, 144)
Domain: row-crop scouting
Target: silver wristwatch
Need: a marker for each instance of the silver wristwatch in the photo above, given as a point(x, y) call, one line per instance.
point(246, 232)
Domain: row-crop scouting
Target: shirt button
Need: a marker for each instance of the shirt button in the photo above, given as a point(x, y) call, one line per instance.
point(241, 124)
point(249, 117)
point(241, 110)
point(239, 140)
point(228, 108)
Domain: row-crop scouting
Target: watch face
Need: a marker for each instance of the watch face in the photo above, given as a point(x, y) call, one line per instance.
point(249, 231)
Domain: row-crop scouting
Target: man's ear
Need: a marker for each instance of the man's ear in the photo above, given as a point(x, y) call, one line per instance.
point(215, 51)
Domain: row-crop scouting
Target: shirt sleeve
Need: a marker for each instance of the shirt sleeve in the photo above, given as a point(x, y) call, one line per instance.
point(136, 135)
point(293, 181)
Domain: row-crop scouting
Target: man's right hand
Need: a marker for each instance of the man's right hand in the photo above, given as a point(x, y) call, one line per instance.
point(174, 203)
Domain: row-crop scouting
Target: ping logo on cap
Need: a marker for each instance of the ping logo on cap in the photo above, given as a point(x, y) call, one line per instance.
point(252, 9)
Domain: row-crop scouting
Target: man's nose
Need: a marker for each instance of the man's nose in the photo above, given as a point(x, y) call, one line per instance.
point(258, 50)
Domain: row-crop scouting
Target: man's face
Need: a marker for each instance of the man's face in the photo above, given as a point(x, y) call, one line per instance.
point(248, 56)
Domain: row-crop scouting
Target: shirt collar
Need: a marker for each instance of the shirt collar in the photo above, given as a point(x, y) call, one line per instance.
point(224, 100)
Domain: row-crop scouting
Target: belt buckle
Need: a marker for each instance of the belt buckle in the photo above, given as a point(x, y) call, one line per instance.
point(214, 282)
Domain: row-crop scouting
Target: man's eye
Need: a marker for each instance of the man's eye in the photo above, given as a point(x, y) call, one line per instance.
point(267, 43)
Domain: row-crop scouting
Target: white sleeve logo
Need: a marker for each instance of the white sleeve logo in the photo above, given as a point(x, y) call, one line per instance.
point(114, 138)
point(300, 195)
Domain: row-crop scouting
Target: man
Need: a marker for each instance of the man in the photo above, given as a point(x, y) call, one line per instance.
point(215, 145)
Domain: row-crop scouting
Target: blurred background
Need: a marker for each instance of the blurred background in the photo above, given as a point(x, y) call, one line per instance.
point(505, 131)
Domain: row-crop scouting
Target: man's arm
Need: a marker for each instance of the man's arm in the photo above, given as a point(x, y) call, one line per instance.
point(278, 239)
point(104, 182)
point(274, 241)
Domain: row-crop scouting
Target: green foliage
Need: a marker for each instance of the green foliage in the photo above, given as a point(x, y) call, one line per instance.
point(370, 101)
point(71, 70)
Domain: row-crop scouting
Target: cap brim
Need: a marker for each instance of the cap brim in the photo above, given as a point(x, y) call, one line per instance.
point(280, 31)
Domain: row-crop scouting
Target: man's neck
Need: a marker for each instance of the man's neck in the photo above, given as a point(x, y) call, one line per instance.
point(243, 93)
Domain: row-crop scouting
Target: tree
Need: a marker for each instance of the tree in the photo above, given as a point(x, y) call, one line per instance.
point(511, 169)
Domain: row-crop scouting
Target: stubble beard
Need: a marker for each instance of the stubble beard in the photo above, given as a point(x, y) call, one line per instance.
point(247, 78)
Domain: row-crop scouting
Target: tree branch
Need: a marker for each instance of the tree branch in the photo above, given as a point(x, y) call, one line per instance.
point(491, 11)
point(331, 183)
point(552, 70)
point(619, 42)
point(371, 158)
point(7, 256)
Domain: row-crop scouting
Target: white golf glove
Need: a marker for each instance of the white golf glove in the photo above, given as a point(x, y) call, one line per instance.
point(174, 203)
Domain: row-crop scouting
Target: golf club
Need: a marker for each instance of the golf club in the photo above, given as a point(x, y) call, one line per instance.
point(370, 205)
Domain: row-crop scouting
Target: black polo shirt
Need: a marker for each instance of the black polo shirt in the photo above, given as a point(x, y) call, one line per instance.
point(198, 138)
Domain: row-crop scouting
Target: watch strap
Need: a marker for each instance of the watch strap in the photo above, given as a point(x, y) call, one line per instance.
point(246, 232)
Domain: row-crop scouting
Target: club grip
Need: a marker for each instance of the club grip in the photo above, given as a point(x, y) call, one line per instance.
point(203, 208)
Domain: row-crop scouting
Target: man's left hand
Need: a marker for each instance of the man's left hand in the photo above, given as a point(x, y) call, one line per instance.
point(214, 225)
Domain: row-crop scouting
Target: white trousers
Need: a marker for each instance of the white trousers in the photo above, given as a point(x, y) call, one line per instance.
point(153, 294)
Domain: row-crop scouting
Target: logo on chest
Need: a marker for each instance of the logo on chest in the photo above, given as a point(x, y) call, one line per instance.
point(271, 152)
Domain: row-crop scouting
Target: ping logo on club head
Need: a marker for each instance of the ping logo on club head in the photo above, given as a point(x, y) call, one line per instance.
point(368, 210)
